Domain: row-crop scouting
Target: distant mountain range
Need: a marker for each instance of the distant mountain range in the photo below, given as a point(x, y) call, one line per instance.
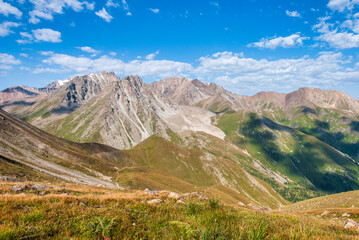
point(303, 144)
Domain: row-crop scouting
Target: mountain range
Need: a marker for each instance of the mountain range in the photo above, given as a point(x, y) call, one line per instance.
point(182, 134)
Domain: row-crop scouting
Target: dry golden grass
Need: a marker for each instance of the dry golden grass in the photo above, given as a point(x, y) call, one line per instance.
point(97, 213)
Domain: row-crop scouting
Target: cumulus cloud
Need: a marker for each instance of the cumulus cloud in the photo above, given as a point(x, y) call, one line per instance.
point(88, 50)
point(7, 61)
point(154, 10)
point(157, 68)
point(152, 55)
point(45, 9)
point(293, 14)
point(341, 5)
point(233, 71)
point(47, 35)
point(7, 9)
point(111, 3)
point(5, 28)
point(40, 35)
point(247, 75)
point(274, 42)
point(338, 35)
point(104, 15)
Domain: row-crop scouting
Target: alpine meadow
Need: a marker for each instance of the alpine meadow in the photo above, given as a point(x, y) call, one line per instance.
point(133, 119)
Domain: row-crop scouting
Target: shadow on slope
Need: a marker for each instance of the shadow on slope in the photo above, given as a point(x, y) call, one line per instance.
point(310, 163)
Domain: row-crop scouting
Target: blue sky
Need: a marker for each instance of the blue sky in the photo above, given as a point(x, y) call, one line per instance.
point(246, 46)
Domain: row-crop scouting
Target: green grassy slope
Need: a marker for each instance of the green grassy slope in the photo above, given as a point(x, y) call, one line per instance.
point(313, 167)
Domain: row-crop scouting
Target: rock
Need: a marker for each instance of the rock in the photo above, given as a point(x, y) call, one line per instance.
point(19, 188)
point(174, 195)
point(154, 201)
point(181, 202)
point(241, 204)
point(42, 193)
point(325, 213)
point(83, 204)
point(350, 223)
point(10, 179)
point(40, 187)
point(345, 215)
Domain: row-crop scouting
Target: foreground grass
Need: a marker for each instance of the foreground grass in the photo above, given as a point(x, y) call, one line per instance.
point(88, 213)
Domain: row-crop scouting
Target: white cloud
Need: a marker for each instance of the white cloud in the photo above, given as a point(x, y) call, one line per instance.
point(154, 10)
point(152, 55)
point(45, 9)
point(5, 28)
point(88, 49)
point(47, 35)
point(40, 35)
point(235, 72)
point(293, 14)
point(126, 8)
point(7, 9)
point(338, 35)
point(286, 42)
point(111, 3)
point(157, 68)
point(215, 4)
point(247, 75)
point(341, 5)
point(104, 15)
point(24, 55)
point(113, 54)
point(340, 40)
point(7, 61)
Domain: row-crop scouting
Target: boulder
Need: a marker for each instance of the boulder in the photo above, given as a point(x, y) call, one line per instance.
point(174, 195)
point(40, 187)
point(350, 223)
point(19, 188)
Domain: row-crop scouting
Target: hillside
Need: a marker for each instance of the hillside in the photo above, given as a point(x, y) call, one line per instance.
point(29, 153)
point(303, 144)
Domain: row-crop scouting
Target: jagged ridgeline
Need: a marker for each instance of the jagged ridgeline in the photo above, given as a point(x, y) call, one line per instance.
point(302, 144)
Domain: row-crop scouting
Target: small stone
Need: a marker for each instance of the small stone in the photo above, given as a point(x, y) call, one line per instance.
point(325, 213)
point(174, 195)
point(264, 209)
point(42, 193)
point(154, 201)
point(345, 215)
point(241, 204)
point(148, 191)
point(83, 204)
point(181, 202)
